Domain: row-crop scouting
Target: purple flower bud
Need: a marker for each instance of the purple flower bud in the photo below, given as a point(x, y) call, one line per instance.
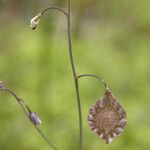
point(34, 118)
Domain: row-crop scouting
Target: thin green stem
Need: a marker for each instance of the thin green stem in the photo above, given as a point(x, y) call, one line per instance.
point(56, 8)
point(94, 76)
point(45, 138)
point(74, 74)
point(27, 111)
point(21, 102)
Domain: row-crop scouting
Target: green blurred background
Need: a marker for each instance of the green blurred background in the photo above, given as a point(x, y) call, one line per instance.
point(110, 38)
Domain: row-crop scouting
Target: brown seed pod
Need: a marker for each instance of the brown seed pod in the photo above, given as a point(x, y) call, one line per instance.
point(107, 118)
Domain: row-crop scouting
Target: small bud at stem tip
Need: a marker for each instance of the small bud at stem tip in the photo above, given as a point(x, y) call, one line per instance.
point(35, 20)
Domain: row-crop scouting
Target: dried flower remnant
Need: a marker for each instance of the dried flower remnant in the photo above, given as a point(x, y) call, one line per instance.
point(107, 117)
point(34, 118)
point(35, 20)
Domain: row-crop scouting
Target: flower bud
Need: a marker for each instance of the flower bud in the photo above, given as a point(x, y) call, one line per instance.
point(35, 20)
point(34, 118)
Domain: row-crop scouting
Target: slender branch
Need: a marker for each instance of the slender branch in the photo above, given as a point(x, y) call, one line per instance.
point(27, 111)
point(35, 20)
point(45, 138)
point(12, 93)
point(56, 8)
point(20, 101)
point(74, 75)
point(94, 76)
point(33, 24)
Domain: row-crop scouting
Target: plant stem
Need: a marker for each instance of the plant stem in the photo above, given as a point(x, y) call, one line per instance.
point(56, 8)
point(27, 110)
point(94, 76)
point(74, 75)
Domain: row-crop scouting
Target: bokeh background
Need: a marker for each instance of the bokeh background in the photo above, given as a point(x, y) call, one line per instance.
point(110, 38)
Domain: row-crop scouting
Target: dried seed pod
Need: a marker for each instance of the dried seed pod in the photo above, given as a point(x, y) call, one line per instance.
point(107, 117)
point(35, 20)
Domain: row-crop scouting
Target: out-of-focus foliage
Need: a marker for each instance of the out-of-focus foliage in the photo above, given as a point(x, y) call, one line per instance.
point(111, 39)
